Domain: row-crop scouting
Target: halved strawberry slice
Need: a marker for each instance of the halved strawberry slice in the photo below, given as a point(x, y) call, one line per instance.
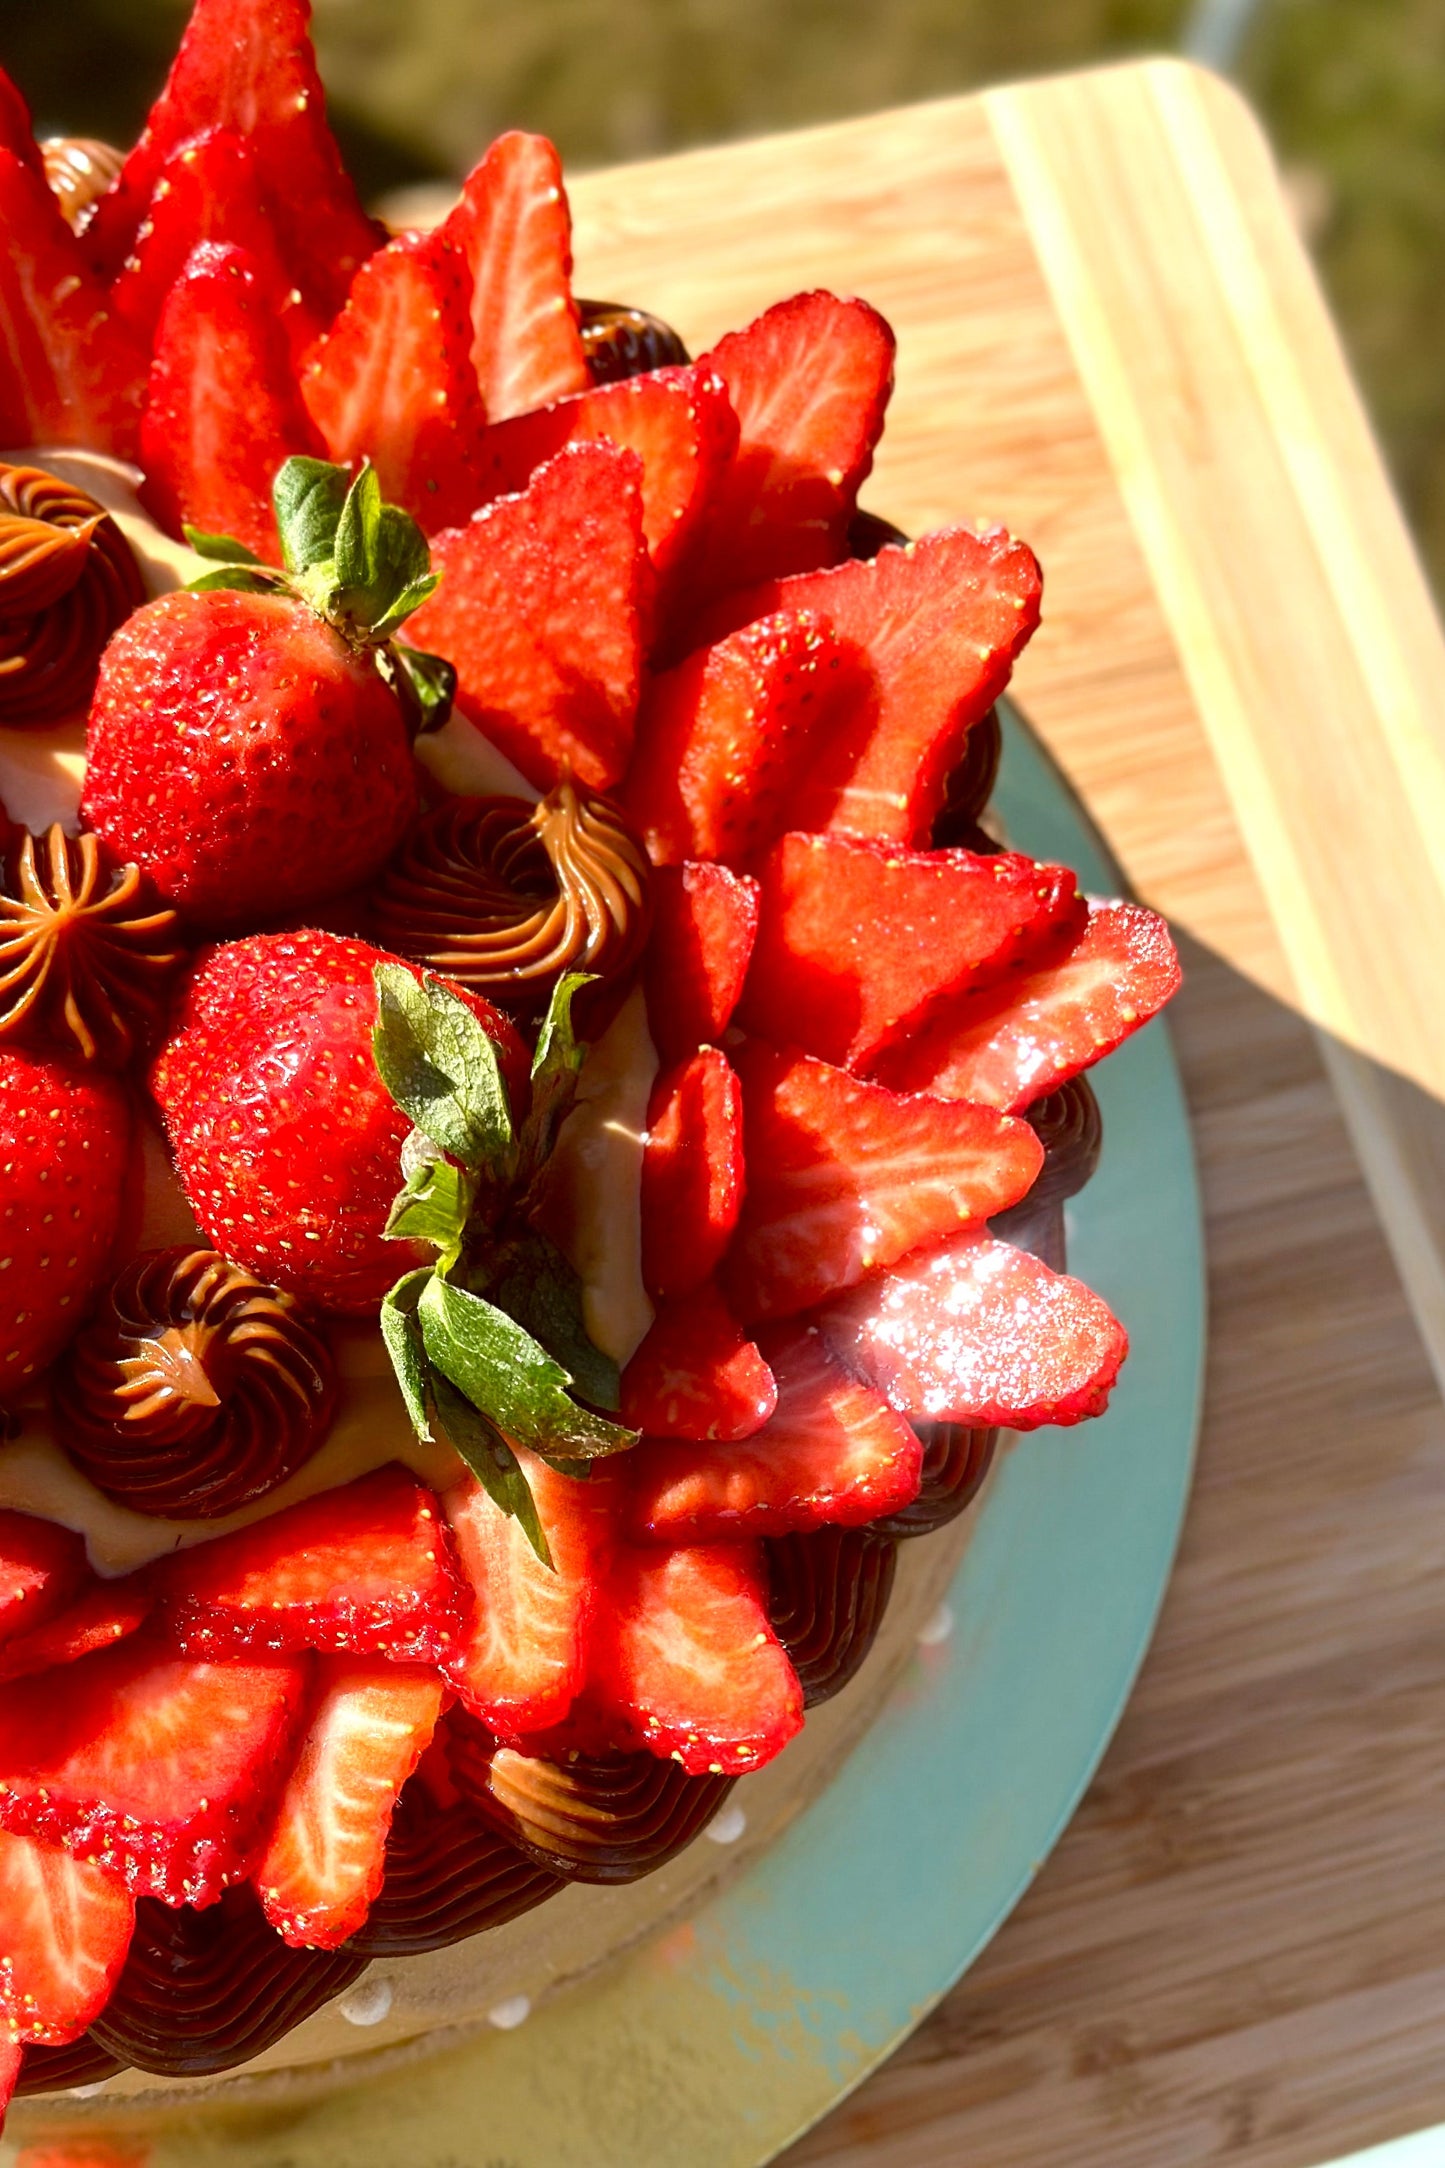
point(106, 1613)
point(679, 423)
point(540, 608)
point(65, 1927)
point(939, 626)
point(514, 229)
point(692, 1172)
point(364, 1570)
point(1013, 1043)
point(16, 132)
point(980, 1333)
point(704, 924)
point(42, 1567)
point(221, 351)
point(12, 2058)
point(160, 1768)
point(70, 373)
point(687, 1660)
point(325, 1858)
point(834, 1454)
point(697, 1374)
point(809, 382)
point(845, 1177)
point(523, 1659)
point(392, 380)
point(721, 737)
point(822, 979)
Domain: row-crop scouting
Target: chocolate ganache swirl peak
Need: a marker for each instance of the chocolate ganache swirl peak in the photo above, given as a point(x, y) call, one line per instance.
point(196, 1390)
point(828, 1591)
point(505, 897)
point(67, 580)
point(449, 1875)
point(620, 341)
point(86, 952)
point(80, 170)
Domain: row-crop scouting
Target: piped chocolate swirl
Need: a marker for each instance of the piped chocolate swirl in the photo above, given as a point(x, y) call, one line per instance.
point(1070, 1128)
point(67, 580)
point(829, 1590)
point(505, 897)
point(80, 170)
point(956, 1463)
point(620, 342)
point(196, 1390)
point(60, 2070)
point(448, 1875)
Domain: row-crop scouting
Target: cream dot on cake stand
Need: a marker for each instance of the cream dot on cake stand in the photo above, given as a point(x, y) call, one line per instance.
point(368, 2003)
point(936, 1628)
point(728, 1826)
point(508, 2015)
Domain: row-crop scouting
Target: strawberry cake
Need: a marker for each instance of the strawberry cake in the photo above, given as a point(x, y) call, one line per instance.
point(534, 1107)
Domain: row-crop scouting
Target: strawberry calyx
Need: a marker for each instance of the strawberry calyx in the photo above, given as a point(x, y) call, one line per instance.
point(361, 564)
point(488, 1344)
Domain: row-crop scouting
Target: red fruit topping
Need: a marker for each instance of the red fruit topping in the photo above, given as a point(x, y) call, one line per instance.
point(979, 1332)
point(392, 380)
point(679, 423)
point(513, 228)
point(159, 1768)
point(42, 1567)
point(16, 133)
point(326, 1855)
point(104, 1615)
point(245, 757)
point(721, 738)
point(688, 1662)
point(12, 2058)
point(524, 1658)
point(939, 626)
point(221, 350)
point(269, 1068)
point(692, 1173)
point(704, 923)
point(697, 1375)
point(857, 941)
point(69, 372)
point(65, 1927)
point(844, 1177)
point(540, 608)
point(1012, 1044)
point(64, 1141)
point(809, 382)
point(833, 1453)
point(364, 1570)
point(247, 65)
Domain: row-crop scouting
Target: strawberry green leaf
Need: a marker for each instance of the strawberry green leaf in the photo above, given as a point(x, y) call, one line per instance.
point(441, 1068)
point(434, 1207)
point(556, 1066)
point(308, 495)
point(492, 1461)
point(237, 579)
point(382, 566)
point(222, 547)
point(426, 684)
point(503, 1371)
point(401, 1331)
point(529, 1278)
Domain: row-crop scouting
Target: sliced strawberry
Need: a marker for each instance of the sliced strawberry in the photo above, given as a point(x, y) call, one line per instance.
point(16, 133)
point(105, 1614)
point(361, 1571)
point(809, 382)
point(540, 609)
point(704, 923)
point(325, 1858)
point(980, 1333)
point(247, 65)
point(159, 1768)
point(65, 1927)
point(822, 979)
point(523, 1660)
point(721, 738)
point(12, 2058)
point(939, 625)
point(697, 1374)
point(392, 380)
point(69, 372)
point(514, 229)
point(209, 191)
point(834, 1454)
point(42, 1568)
point(844, 1177)
point(692, 1173)
point(1013, 1043)
point(688, 1661)
point(679, 423)
point(221, 351)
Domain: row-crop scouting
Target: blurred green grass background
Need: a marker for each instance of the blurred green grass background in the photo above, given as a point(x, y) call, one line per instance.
point(1352, 91)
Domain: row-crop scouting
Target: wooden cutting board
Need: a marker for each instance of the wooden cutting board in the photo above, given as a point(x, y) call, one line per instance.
point(1110, 339)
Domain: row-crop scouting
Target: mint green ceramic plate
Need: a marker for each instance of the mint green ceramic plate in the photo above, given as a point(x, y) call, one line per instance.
point(721, 2041)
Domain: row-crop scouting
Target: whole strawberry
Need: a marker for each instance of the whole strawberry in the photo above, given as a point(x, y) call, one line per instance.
point(286, 1141)
point(63, 1148)
point(250, 738)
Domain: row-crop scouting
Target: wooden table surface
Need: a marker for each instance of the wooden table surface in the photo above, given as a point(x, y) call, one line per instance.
point(1110, 339)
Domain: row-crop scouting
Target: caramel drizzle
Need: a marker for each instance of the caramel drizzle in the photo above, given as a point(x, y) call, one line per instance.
point(67, 580)
point(505, 897)
point(86, 956)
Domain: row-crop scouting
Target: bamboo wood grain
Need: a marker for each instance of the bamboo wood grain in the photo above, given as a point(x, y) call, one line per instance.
point(1110, 338)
